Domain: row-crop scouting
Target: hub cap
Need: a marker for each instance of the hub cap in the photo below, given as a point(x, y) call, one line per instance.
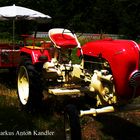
point(23, 85)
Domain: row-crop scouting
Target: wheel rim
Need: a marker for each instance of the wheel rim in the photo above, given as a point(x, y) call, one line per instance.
point(67, 127)
point(23, 85)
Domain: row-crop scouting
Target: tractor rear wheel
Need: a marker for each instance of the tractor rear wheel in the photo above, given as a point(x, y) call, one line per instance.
point(29, 86)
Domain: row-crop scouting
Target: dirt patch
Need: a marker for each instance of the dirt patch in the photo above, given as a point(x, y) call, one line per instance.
point(118, 126)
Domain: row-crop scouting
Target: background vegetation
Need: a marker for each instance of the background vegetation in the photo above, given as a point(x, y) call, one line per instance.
point(96, 16)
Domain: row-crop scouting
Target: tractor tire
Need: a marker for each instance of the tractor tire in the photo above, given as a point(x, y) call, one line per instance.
point(29, 88)
point(72, 123)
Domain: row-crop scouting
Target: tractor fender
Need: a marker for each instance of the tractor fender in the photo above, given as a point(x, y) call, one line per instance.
point(35, 54)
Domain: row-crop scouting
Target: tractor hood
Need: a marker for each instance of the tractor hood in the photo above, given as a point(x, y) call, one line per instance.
point(114, 51)
point(109, 47)
point(123, 58)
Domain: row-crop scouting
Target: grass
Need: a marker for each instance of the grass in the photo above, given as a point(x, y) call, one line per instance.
point(103, 127)
point(12, 119)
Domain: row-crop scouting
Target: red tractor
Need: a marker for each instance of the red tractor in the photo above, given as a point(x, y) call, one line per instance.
point(106, 79)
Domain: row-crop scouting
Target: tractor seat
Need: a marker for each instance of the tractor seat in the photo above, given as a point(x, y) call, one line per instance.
point(63, 38)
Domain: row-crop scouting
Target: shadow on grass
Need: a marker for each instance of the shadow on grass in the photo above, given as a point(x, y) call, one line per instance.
point(16, 124)
point(7, 78)
point(118, 128)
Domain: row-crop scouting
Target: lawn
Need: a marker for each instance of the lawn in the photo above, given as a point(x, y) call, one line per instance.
point(48, 125)
point(17, 124)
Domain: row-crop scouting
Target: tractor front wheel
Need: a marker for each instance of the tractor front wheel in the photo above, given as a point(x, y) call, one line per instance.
point(72, 123)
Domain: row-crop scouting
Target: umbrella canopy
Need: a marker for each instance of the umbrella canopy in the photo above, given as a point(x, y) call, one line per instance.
point(18, 13)
point(21, 13)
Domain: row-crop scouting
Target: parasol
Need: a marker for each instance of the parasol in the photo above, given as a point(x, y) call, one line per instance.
point(21, 13)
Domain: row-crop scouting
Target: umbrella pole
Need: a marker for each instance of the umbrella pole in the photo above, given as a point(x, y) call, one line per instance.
point(13, 41)
point(13, 33)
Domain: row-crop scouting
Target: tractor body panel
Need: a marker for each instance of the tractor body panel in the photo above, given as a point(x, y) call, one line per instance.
point(9, 56)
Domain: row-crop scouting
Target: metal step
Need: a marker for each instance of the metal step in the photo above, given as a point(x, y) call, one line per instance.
point(65, 91)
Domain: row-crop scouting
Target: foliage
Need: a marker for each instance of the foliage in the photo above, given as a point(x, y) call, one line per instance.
point(108, 16)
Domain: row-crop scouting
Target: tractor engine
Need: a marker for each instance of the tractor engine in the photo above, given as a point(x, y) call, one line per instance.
point(93, 72)
point(98, 72)
point(60, 67)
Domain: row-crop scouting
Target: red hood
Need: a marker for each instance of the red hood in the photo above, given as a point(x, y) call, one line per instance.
point(123, 57)
point(108, 47)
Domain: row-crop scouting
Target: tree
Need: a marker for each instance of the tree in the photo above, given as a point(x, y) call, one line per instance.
point(108, 16)
point(130, 18)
